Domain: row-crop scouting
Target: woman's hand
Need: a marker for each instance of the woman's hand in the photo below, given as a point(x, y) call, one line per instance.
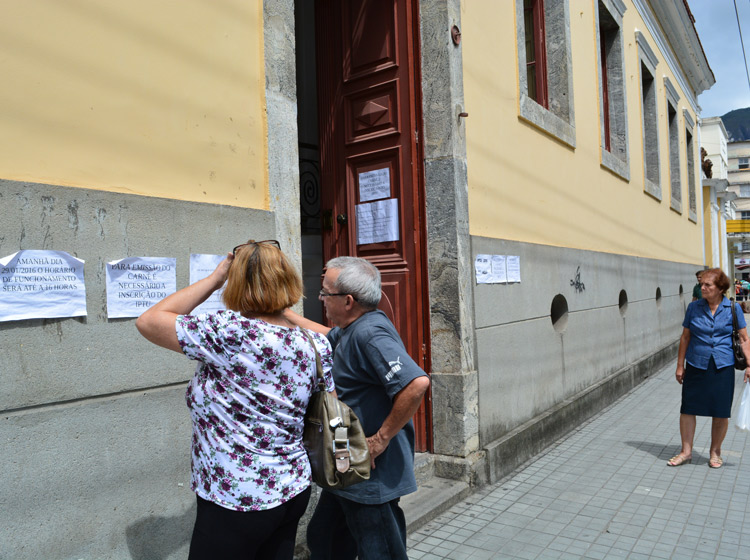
point(157, 323)
point(680, 374)
point(747, 375)
point(219, 276)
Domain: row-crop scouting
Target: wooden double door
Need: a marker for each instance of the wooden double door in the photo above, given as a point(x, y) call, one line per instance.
point(372, 188)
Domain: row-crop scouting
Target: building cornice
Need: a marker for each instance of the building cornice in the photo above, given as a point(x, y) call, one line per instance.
point(672, 29)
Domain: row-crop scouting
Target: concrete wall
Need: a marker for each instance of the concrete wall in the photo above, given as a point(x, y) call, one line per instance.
point(526, 366)
point(95, 430)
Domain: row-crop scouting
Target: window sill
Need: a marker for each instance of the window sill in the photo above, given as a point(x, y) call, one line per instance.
point(546, 120)
point(651, 188)
point(615, 165)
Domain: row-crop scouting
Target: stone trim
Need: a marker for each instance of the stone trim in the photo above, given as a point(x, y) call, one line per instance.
point(618, 159)
point(672, 96)
point(689, 122)
point(673, 101)
point(453, 336)
point(282, 133)
point(649, 117)
point(559, 119)
point(648, 55)
point(691, 170)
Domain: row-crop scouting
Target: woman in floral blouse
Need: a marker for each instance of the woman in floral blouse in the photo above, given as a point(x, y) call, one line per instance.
point(247, 400)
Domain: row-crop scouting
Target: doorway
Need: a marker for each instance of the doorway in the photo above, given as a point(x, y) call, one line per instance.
point(361, 174)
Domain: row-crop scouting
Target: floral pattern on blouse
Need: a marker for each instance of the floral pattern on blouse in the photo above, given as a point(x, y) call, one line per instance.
point(247, 401)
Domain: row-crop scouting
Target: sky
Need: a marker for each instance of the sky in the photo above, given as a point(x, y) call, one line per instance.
point(716, 23)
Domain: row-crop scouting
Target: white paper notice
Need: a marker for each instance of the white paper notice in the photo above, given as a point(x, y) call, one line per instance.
point(497, 269)
point(374, 184)
point(377, 222)
point(136, 283)
point(499, 274)
point(483, 269)
point(38, 284)
point(514, 268)
point(200, 267)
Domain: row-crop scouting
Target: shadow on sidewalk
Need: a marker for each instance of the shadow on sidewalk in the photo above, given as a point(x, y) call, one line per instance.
point(661, 452)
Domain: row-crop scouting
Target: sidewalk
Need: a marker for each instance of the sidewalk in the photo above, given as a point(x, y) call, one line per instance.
point(605, 491)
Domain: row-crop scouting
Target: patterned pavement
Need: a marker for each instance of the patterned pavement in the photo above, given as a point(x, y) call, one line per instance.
point(605, 491)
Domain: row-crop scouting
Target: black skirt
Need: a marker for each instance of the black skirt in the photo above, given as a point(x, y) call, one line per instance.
point(708, 392)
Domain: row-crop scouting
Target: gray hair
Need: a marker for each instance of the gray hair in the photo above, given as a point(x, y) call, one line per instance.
point(359, 278)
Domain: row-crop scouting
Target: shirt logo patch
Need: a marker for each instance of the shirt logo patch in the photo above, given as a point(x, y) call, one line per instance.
point(395, 368)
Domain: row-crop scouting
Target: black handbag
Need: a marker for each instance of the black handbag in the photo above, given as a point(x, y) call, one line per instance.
point(333, 437)
point(740, 361)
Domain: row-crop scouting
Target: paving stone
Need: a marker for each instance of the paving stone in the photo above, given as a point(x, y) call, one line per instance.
point(605, 491)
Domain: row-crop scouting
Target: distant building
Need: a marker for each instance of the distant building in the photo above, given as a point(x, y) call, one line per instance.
point(718, 205)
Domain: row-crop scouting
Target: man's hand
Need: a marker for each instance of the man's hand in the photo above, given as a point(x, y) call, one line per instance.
point(405, 405)
point(376, 444)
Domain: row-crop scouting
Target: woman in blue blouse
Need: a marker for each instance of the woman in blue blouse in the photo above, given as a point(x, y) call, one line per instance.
point(708, 377)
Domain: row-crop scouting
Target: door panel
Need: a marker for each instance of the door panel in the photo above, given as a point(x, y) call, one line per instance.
point(368, 106)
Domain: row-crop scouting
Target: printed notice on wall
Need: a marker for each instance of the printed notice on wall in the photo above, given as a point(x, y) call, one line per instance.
point(513, 265)
point(37, 284)
point(374, 184)
point(136, 283)
point(497, 269)
point(377, 222)
point(202, 266)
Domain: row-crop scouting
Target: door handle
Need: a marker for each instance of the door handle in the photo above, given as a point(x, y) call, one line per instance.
point(341, 219)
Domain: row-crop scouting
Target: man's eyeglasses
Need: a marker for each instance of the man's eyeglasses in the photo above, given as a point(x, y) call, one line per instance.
point(324, 294)
point(252, 242)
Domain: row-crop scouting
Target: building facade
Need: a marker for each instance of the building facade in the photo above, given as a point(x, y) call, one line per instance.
point(718, 199)
point(525, 175)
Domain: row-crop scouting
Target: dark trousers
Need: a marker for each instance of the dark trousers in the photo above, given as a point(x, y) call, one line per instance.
point(228, 534)
point(342, 530)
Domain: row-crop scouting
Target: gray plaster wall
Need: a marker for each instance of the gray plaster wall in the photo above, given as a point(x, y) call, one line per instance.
point(527, 367)
point(94, 428)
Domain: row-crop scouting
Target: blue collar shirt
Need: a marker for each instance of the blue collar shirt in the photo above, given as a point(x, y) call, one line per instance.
point(711, 335)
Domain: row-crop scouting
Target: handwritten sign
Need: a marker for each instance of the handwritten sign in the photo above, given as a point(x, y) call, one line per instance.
point(377, 222)
point(37, 284)
point(374, 184)
point(136, 283)
point(202, 266)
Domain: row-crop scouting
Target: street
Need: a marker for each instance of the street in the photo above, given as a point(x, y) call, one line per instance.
point(605, 491)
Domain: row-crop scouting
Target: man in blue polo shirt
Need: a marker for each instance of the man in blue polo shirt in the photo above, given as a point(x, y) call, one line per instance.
point(377, 378)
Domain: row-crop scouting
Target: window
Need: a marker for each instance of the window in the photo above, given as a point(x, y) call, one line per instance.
point(744, 163)
point(690, 158)
point(649, 117)
point(612, 109)
point(536, 63)
point(673, 100)
point(744, 215)
point(545, 66)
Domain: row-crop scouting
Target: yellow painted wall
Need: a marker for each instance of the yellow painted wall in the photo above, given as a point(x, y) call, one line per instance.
point(524, 185)
point(152, 97)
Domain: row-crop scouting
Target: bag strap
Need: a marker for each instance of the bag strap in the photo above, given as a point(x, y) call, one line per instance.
point(734, 317)
point(338, 424)
point(318, 364)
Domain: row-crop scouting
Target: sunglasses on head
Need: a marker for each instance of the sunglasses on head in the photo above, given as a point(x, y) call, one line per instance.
point(252, 242)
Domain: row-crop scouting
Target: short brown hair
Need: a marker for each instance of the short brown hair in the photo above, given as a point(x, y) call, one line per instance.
point(261, 280)
point(720, 279)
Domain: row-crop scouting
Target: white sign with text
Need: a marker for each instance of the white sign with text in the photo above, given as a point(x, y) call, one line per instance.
point(136, 283)
point(38, 284)
point(201, 266)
